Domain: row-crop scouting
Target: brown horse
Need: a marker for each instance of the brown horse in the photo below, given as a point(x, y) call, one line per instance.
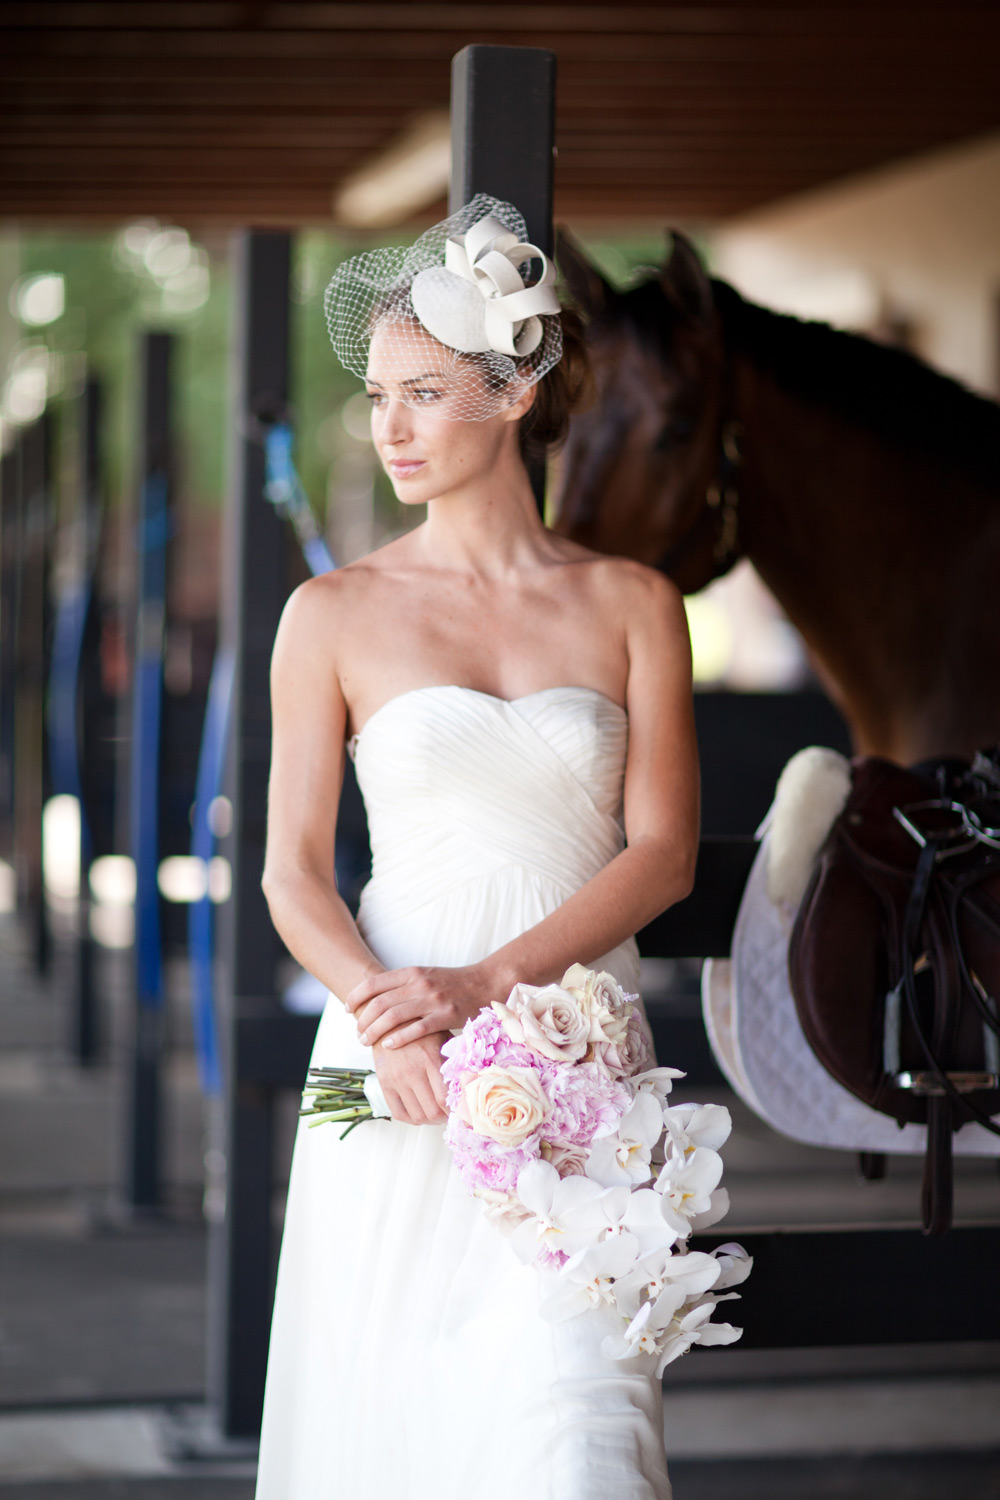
point(863, 487)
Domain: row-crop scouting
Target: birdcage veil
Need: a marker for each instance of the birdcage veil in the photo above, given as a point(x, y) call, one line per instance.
point(472, 283)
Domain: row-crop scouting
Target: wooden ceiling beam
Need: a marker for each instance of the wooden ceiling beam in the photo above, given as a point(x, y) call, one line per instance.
point(258, 111)
point(653, 17)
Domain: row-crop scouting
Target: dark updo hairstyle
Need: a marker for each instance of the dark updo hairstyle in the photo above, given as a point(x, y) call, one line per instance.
point(565, 389)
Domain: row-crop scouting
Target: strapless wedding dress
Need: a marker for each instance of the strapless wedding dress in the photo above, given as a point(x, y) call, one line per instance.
point(408, 1359)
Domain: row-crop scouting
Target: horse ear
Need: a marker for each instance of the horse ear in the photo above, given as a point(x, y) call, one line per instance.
point(684, 281)
point(587, 286)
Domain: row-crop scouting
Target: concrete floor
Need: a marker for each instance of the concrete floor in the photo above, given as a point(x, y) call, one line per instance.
point(102, 1318)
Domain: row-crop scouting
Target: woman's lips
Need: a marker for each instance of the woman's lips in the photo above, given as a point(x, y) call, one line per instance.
point(403, 468)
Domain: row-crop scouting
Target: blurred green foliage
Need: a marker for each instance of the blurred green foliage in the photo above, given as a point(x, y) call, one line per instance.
point(111, 298)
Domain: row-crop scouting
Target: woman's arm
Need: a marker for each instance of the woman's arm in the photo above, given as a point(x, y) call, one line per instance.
point(654, 870)
point(309, 719)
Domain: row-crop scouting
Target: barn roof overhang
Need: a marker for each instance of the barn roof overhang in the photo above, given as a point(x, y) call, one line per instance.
point(256, 113)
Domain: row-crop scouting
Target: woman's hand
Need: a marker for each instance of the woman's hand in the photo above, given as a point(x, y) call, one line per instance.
point(411, 1080)
point(418, 1002)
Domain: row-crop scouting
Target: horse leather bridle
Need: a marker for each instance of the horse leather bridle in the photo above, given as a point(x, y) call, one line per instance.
point(719, 516)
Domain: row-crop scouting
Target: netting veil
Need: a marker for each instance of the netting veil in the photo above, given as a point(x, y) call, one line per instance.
point(461, 321)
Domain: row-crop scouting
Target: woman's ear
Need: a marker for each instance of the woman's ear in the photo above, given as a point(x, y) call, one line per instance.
point(520, 408)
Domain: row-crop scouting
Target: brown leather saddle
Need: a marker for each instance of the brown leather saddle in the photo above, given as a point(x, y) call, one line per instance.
point(894, 958)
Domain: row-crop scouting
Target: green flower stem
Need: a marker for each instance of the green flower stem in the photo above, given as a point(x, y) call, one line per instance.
point(336, 1095)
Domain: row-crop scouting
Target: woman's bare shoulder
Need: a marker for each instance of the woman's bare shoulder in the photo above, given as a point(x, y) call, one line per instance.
point(325, 601)
point(625, 584)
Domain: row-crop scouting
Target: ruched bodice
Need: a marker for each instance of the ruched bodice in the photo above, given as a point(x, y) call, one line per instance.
point(480, 805)
point(405, 1329)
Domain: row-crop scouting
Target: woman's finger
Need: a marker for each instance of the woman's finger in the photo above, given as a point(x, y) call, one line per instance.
point(440, 1088)
point(377, 984)
point(428, 1103)
point(388, 1021)
point(396, 1107)
point(397, 1000)
point(425, 1026)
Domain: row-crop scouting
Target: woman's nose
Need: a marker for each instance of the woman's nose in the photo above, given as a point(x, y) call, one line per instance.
point(395, 421)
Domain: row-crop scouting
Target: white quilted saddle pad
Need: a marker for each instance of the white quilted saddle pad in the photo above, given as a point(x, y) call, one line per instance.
point(755, 1034)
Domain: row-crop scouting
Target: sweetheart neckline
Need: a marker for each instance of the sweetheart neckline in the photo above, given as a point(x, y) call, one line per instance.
point(457, 687)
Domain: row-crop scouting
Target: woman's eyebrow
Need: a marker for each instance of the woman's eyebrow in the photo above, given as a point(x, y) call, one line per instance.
point(413, 380)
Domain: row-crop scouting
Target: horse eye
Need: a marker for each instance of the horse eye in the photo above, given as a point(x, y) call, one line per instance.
point(674, 431)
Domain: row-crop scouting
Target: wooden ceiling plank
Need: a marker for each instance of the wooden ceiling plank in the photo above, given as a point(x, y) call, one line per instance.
point(898, 49)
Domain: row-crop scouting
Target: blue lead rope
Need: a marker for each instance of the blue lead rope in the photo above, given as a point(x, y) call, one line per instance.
point(211, 763)
point(146, 718)
point(283, 488)
point(63, 696)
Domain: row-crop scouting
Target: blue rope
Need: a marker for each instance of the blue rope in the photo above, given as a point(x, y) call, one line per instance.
point(61, 702)
point(146, 713)
point(284, 490)
point(211, 763)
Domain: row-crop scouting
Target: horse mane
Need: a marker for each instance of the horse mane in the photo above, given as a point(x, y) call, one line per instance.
point(892, 394)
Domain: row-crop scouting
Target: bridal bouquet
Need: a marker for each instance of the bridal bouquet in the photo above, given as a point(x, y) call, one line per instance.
point(559, 1127)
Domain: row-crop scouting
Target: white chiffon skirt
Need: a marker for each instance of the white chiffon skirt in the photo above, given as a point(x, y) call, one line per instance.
point(408, 1358)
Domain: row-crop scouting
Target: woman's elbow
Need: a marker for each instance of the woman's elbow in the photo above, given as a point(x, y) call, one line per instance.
point(277, 883)
point(678, 867)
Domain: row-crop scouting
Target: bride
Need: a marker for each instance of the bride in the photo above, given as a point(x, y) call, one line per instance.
point(519, 713)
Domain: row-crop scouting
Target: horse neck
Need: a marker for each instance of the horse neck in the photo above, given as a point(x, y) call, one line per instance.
point(849, 535)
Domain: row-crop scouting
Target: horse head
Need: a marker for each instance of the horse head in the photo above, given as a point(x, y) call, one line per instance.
point(640, 474)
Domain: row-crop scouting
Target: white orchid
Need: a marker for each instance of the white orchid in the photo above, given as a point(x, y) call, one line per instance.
point(694, 1327)
point(656, 1081)
point(625, 1155)
point(590, 1278)
point(735, 1265)
point(718, 1207)
point(664, 1328)
point(691, 1274)
point(567, 1213)
point(644, 1218)
point(691, 1125)
point(686, 1184)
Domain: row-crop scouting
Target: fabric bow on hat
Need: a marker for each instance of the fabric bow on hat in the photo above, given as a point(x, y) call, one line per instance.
point(478, 301)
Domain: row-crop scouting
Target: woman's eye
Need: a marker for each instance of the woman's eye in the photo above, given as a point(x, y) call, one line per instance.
point(425, 395)
point(375, 397)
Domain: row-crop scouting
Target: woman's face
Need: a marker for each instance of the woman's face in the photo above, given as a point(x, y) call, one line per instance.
point(417, 390)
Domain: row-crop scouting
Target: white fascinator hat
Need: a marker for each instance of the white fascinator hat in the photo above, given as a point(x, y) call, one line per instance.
point(476, 285)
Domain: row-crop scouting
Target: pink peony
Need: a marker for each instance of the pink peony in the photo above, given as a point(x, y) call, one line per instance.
point(586, 1102)
point(482, 1163)
point(482, 1043)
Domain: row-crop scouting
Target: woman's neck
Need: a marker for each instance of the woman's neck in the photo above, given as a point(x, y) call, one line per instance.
point(488, 526)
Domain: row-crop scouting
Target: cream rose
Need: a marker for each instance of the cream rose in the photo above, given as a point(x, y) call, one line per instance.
point(569, 1161)
point(505, 1211)
point(505, 1104)
point(547, 1019)
point(626, 1057)
point(603, 1002)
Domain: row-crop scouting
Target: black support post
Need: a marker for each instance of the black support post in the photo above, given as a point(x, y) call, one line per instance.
point(31, 654)
point(503, 105)
point(255, 588)
point(9, 570)
point(84, 1021)
point(152, 530)
point(503, 102)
